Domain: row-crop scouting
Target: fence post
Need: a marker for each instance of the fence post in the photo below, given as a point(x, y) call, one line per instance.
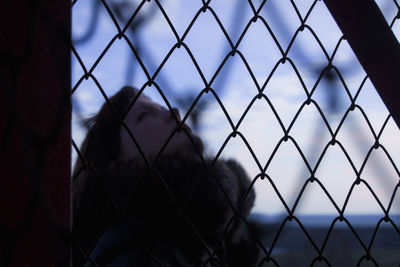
point(374, 44)
point(35, 134)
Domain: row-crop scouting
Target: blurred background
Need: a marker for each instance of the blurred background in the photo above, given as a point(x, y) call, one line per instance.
point(149, 49)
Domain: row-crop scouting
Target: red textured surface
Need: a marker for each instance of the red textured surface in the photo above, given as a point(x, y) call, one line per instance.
point(35, 135)
point(374, 44)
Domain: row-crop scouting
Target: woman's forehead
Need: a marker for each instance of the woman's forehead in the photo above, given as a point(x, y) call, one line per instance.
point(144, 101)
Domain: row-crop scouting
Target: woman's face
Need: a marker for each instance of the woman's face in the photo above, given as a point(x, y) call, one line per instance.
point(151, 125)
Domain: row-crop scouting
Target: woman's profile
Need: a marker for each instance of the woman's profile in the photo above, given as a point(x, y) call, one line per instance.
point(146, 195)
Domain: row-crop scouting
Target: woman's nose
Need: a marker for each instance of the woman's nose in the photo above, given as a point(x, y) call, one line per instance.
point(170, 115)
point(176, 112)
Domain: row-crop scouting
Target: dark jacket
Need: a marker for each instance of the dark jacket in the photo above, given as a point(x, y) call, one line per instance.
point(182, 212)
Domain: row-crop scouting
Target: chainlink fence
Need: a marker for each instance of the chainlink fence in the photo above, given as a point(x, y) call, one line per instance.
point(303, 125)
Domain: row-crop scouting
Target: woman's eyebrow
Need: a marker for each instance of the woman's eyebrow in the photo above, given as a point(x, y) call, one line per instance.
point(149, 107)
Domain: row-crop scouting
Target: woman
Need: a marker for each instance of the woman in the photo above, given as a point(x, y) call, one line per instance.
point(147, 196)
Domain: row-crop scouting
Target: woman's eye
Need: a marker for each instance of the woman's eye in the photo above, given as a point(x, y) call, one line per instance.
point(142, 116)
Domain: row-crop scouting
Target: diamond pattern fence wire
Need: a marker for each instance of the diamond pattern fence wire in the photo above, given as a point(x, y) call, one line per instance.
point(288, 240)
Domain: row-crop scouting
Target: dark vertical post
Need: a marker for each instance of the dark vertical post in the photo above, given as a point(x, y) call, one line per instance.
point(374, 44)
point(35, 134)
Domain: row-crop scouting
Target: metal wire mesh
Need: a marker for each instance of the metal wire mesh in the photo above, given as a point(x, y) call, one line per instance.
point(280, 235)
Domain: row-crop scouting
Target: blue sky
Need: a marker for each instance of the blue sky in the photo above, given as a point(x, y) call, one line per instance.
point(237, 89)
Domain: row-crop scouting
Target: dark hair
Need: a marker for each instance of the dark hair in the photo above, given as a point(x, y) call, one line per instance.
point(104, 130)
point(99, 149)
